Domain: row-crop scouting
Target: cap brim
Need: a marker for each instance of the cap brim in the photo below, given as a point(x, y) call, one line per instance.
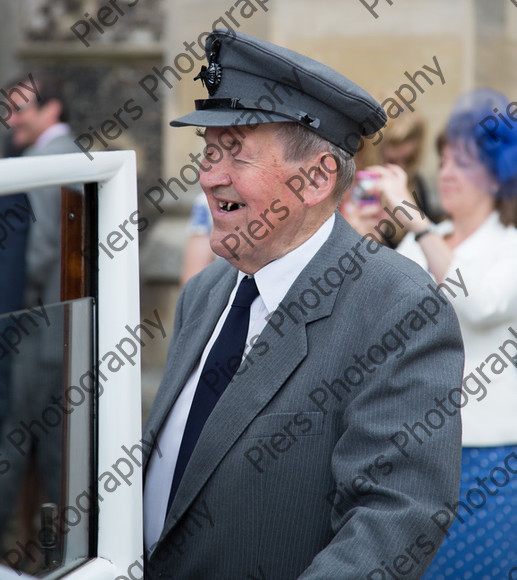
point(227, 118)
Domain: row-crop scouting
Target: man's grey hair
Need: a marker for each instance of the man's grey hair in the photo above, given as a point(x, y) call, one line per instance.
point(301, 144)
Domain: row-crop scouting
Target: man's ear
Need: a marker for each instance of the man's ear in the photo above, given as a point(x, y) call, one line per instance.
point(320, 178)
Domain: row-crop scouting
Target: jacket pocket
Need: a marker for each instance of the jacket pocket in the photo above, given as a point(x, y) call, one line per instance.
point(298, 424)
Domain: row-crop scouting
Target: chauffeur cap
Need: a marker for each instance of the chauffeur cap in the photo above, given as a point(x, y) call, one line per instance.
point(251, 81)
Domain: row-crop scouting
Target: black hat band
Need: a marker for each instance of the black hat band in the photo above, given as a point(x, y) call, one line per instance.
point(238, 103)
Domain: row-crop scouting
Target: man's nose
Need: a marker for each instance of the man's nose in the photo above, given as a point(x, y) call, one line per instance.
point(217, 175)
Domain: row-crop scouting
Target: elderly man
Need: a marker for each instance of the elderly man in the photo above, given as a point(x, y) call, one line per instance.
point(294, 432)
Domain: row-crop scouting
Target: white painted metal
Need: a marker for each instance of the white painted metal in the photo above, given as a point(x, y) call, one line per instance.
point(120, 519)
point(98, 569)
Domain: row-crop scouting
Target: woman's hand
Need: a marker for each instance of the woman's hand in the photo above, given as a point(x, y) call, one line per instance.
point(392, 188)
point(363, 217)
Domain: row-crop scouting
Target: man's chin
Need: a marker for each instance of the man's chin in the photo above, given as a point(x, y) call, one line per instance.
point(227, 247)
point(20, 141)
point(237, 252)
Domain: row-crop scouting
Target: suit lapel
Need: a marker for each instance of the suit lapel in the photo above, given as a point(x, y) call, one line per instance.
point(241, 402)
point(192, 339)
point(251, 391)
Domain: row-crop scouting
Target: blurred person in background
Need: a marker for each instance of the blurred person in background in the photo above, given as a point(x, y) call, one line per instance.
point(400, 142)
point(14, 230)
point(198, 253)
point(39, 126)
point(477, 184)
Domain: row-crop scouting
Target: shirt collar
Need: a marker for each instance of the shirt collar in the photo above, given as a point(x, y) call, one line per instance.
point(275, 279)
point(52, 133)
point(447, 227)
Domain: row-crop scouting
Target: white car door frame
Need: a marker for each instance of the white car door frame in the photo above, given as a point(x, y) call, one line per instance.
point(119, 546)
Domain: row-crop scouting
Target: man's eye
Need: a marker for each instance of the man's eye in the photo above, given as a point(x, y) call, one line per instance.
point(236, 151)
point(210, 152)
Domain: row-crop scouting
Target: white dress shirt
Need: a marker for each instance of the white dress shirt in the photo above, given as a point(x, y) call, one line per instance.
point(57, 130)
point(273, 281)
point(487, 262)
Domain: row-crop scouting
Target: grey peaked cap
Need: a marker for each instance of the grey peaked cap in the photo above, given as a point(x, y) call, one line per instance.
point(251, 81)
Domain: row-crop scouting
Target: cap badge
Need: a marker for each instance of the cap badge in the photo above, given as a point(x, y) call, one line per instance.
point(211, 76)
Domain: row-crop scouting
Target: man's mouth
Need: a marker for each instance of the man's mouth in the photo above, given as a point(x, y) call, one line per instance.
point(227, 206)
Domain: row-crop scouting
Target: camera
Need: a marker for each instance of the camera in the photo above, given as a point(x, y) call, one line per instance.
point(361, 192)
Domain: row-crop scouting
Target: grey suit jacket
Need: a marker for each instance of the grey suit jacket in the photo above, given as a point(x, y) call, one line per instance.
point(44, 241)
point(317, 462)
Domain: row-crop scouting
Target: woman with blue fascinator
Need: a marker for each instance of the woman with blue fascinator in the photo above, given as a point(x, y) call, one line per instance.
point(474, 256)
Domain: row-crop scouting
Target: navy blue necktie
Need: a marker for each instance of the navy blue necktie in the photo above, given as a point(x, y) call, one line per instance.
point(223, 360)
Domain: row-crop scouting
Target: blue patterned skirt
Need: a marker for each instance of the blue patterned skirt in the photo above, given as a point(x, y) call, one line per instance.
point(482, 544)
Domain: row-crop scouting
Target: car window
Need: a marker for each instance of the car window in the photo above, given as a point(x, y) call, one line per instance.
point(70, 407)
point(47, 390)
